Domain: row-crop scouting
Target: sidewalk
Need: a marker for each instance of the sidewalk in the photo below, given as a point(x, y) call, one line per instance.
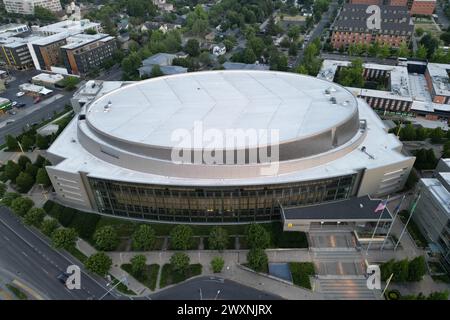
point(115, 271)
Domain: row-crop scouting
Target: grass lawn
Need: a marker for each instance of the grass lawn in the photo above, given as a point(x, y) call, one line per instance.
point(285, 239)
point(17, 292)
point(121, 287)
point(195, 242)
point(77, 254)
point(443, 278)
point(168, 276)
point(301, 271)
point(230, 244)
point(147, 278)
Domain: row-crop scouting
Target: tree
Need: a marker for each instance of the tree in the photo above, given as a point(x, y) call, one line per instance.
point(106, 238)
point(436, 135)
point(31, 169)
point(27, 142)
point(44, 14)
point(138, 263)
point(192, 47)
point(403, 51)
point(144, 238)
point(400, 270)
point(42, 177)
point(34, 217)
point(417, 269)
point(419, 32)
point(217, 264)
point(9, 197)
point(99, 263)
point(248, 56)
point(386, 269)
point(430, 43)
point(40, 161)
point(293, 32)
point(3, 189)
point(48, 226)
point(218, 238)
point(352, 76)
point(64, 238)
point(24, 182)
point(421, 52)
point(21, 205)
point(181, 237)
point(421, 134)
point(257, 236)
point(70, 83)
point(408, 133)
point(23, 161)
point(180, 262)
point(131, 63)
point(205, 58)
point(156, 71)
point(257, 259)
point(11, 143)
point(12, 170)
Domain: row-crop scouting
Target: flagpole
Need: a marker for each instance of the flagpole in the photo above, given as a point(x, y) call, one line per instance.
point(413, 208)
point(393, 221)
point(376, 226)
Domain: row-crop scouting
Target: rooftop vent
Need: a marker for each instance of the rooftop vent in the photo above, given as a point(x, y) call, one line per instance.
point(330, 90)
point(107, 107)
point(333, 100)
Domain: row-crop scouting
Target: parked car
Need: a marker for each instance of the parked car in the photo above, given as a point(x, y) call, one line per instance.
point(37, 99)
point(20, 105)
point(20, 93)
point(9, 121)
point(12, 112)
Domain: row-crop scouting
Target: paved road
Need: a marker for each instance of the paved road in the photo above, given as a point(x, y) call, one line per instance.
point(318, 29)
point(442, 18)
point(207, 288)
point(29, 257)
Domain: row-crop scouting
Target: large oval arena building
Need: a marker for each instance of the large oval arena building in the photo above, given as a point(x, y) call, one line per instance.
point(224, 147)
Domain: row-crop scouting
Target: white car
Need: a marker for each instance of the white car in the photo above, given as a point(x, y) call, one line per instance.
point(19, 94)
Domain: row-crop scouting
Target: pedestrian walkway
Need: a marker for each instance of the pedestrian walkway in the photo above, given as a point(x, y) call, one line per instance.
point(115, 270)
point(346, 289)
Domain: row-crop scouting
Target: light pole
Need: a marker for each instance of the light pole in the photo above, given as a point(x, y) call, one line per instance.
point(200, 292)
point(217, 294)
point(124, 280)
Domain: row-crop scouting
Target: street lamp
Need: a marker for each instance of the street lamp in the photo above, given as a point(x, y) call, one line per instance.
point(124, 280)
point(217, 294)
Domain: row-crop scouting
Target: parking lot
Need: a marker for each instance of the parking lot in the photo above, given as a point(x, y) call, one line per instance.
point(17, 119)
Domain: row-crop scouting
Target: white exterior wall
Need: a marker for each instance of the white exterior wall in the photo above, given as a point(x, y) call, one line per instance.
point(27, 6)
point(69, 188)
point(385, 179)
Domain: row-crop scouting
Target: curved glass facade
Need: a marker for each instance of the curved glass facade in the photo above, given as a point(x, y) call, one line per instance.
point(214, 204)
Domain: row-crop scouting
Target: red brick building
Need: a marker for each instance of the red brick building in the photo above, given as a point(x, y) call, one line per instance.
point(380, 2)
point(350, 27)
point(423, 7)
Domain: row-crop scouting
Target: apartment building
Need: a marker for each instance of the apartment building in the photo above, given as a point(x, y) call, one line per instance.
point(351, 27)
point(416, 7)
point(27, 6)
point(84, 52)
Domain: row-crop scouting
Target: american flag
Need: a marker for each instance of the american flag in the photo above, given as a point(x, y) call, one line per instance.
point(381, 206)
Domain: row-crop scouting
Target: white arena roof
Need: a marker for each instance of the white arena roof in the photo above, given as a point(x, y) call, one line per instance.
point(147, 112)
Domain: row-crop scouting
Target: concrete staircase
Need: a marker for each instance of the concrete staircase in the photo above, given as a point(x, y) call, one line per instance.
point(345, 288)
